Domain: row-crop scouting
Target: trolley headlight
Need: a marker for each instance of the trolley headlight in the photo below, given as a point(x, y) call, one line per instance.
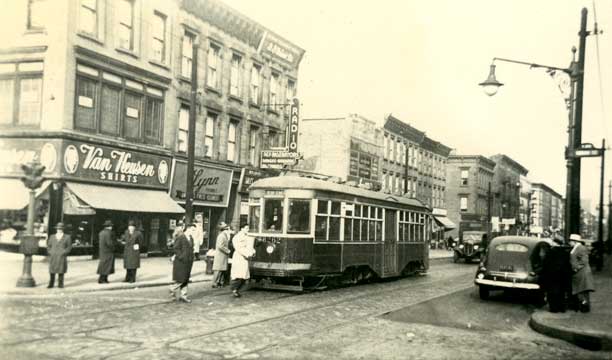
point(270, 249)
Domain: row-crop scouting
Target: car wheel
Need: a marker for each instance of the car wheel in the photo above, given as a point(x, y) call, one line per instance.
point(483, 291)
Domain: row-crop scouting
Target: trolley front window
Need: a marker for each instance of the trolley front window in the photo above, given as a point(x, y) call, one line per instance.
point(273, 215)
point(299, 216)
point(254, 214)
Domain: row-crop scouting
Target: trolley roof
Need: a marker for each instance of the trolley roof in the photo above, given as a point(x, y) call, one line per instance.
point(304, 183)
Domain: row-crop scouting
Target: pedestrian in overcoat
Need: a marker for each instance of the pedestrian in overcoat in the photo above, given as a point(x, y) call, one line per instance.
point(243, 251)
point(222, 251)
point(183, 261)
point(556, 275)
point(58, 248)
point(106, 263)
point(582, 279)
point(132, 240)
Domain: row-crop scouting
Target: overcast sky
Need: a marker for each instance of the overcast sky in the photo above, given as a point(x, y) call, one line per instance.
point(422, 61)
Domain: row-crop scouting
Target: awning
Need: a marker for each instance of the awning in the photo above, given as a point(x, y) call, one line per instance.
point(124, 199)
point(444, 222)
point(15, 196)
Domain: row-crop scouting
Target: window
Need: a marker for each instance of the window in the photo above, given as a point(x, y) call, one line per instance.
point(183, 129)
point(133, 111)
point(209, 134)
point(125, 29)
point(327, 223)
point(273, 215)
point(21, 93)
point(299, 216)
point(89, 17)
point(153, 120)
point(464, 177)
point(254, 215)
point(36, 14)
point(512, 248)
point(29, 101)
point(213, 66)
point(463, 203)
point(273, 91)
point(290, 93)
point(235, 78)
point(7, 88)
point(398, 151)
point(253, 142)
point(391, 149)
point(187, 54)
point(158, 44)
point(86, 103)
point(255, 83)
point(231, 141)
point(386, 147)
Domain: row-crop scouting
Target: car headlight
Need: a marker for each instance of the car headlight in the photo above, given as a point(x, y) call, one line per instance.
point(461, 246)
point(475, 247)
point(270, 249)
point(480, 276)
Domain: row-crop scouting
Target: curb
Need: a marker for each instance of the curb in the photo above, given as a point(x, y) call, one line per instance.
point(590, 340)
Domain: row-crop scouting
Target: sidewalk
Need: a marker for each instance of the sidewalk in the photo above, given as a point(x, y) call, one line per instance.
point(81, 275)
point(591, 330)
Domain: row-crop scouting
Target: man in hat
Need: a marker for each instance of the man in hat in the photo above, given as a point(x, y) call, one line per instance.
point(106, 264)
point(58, 248)
point(556, 274)
point(582, 278)
point(222, 252)
point(132, 240)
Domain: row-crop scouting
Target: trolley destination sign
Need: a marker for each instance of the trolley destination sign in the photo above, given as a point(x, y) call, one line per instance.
point(278, 159)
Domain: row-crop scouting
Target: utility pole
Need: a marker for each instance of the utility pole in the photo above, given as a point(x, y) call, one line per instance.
point(573, 222)
point(609, 243)
point(489, 213)
point(191, 134)
point(599, 245)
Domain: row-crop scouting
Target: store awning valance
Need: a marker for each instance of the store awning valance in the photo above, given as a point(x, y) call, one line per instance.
point(15, 196)
point(445, 222)
point(124, 199)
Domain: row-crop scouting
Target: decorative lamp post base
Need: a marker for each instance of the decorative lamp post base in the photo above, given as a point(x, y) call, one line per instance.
point(26, 279)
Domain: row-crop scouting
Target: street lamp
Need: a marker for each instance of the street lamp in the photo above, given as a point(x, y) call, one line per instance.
point(576, 74)
point(29, 243)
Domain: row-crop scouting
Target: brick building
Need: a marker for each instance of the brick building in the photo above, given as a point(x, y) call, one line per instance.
point(546, 205)
point(506, 187)
point(100, 91)
point(467, 181)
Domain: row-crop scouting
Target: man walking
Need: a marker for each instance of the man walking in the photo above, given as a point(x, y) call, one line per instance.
point(582, 279)
point(106, 264)
point(183, 261)
point(221, 255)
point(58, 247)
point(132, 240)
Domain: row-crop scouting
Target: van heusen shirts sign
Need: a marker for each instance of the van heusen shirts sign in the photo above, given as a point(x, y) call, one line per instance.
point(114, 165)
point(211, 185)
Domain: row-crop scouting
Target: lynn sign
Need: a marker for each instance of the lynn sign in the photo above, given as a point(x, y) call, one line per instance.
point(113, 165)
point(211, 186)
point(294, 125)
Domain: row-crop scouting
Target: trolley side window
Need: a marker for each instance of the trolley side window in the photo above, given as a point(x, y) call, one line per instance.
point(254, 215)
point(299, 216)
point(327, 223)
point(273, 216)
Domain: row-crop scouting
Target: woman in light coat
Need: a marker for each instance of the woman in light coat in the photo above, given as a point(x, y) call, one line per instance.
point(243, 251)
point(58, 248)
point(582, 279)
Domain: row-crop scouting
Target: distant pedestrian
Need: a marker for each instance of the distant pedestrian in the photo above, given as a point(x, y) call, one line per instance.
point(243, 251)
point(58, 248)
point(106, 262)
point(582, 280)
point(132, 240)
point(197, 233)
point(556, 275)
point(222, 252)
point(181, 267)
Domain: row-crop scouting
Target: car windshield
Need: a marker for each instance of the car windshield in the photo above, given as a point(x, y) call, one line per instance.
point(472, 237)
point(511, 247)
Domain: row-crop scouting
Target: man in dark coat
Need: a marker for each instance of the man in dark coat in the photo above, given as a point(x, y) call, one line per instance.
point(132, 240)
point(183, 261)
point(58, 248)
point(106, 264)
point(556, 275)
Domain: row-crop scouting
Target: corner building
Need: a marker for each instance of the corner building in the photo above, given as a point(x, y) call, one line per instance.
point(100, 92)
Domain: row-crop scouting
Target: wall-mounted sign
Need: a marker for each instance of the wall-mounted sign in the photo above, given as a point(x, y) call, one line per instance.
point(211, 186)
point(15, 152)
point(113, 165)
point(294, 125)
point(249, 176)
point(278, 159)
point(362, 164)
point(280, 49)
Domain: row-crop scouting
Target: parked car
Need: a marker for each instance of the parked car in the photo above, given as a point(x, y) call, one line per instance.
point(512, 262)
point(471, 246)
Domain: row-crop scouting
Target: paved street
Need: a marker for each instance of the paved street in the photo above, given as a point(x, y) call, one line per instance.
point(437, 315)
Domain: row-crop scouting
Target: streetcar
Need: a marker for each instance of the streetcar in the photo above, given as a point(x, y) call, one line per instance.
point(311, 233)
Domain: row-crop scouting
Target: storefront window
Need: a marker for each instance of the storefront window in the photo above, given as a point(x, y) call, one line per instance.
point(299, 216)
point(273, 215)
point(13, 222)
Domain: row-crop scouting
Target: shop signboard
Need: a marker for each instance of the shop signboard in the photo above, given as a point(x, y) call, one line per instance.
point(249, 176)
point(111, 165)
point(282, 50)
point(15, 152)
point(278, 159)
point(211, 185)
point(294, 125)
